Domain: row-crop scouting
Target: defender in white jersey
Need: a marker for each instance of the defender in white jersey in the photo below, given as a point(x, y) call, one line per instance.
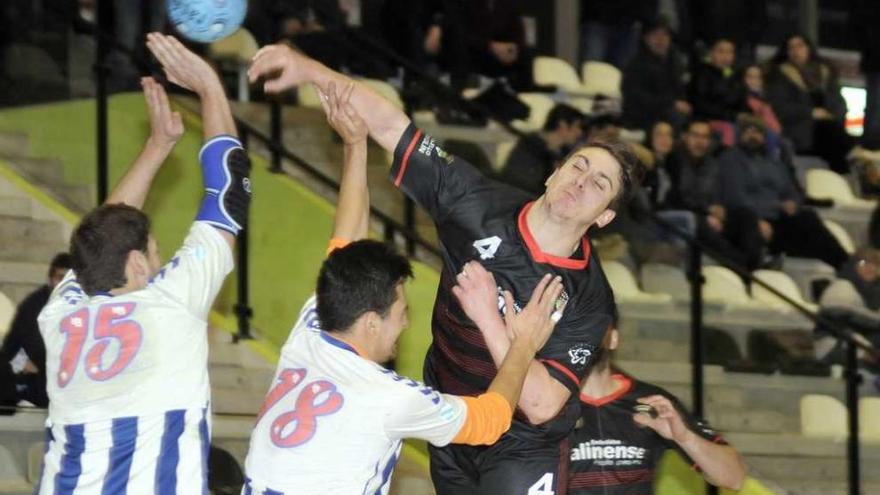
point(334, 419)
point(126, 339)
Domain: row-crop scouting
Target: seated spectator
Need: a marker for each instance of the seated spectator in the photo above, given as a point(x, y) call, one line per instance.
point(805, 94)
point(863, 272)
point(661, 141)
point(753, 79)
point(610, 29)
point(751, 178)
point(733, 232)
point(24, 335)
point(716, 93)
point(653, 86)
point(534, 157)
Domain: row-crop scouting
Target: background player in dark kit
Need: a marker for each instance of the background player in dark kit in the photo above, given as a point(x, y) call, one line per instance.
point(615, 449)
point(519, 241)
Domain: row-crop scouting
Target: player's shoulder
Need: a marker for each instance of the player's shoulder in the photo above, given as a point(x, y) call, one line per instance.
point(643, 389)
point(400, 385)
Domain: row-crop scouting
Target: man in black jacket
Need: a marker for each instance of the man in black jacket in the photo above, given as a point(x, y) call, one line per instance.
point(24, 335)
point(652, 85)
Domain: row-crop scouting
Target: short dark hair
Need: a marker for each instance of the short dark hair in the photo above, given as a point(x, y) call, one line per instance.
point(696, 121)
point(356, 279)
point(562, 113)
point(100, 245)
point(631, 168)
point(61, 261)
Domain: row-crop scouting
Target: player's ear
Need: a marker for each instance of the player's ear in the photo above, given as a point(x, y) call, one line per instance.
point(605, 217)
point(614, 338)
point(136, 266)
point(372, 322)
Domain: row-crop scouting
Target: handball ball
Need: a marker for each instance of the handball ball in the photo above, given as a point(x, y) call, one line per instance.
point(206, 21)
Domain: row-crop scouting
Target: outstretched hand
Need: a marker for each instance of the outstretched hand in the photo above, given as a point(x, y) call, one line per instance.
point(166, 126)
point(342, 115)
point(537, 320)
point(182, 67)
point(478, 294)
point(281, 65)
point(668, 423)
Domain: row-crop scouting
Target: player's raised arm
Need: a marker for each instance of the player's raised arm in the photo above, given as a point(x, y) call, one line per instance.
point(526, 332)
point(166, 127)
point(353, 209)
point(385, 121)
point(225, 165)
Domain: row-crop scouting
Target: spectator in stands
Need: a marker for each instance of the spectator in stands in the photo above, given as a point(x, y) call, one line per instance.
point(805, 94)
point(313, 26)
point(24, 335)
point(733, 232)
point(619, 410)
point(534, 157)
point(753, 80)
point(653, 82)
point(741, 22)
point(751, 178)
point(863, 272)
point(661, 141)
point(716, 93)
point(610, 29)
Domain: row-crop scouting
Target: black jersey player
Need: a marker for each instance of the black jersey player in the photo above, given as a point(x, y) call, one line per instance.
point(626, 425)
point(519, 239)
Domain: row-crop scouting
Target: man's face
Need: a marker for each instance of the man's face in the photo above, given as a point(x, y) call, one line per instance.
point(752, 138)
point(572, 132)
point(697, 139)
point(662, 138)
point(584, 186)
point(798, 51)
point(392, 326)
point(723, 54)
point(658, 41)
point(56, 276)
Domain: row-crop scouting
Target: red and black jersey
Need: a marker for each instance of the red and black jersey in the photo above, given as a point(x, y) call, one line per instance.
point(480, 219)
point(613, 455)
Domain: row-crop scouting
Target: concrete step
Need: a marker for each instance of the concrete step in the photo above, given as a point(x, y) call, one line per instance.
point(237, 401)
point(810, 468)
point(28, 229)
point(17, 292)
point(14, 144)
point(15, 206)
point(48, 173)
point(30, 251)
point(796, 486)
point(18, 272)
point(752, 421)
point(238, 378)
point(653, 350)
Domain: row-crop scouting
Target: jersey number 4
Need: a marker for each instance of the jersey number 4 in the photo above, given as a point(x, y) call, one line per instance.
point(297, 426)
point(111, 325)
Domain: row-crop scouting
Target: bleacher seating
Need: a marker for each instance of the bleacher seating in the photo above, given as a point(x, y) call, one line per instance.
point(869, 419)
point(626, 288)
point(823, 416)
point(841, 235)
point(783, 283)
point(825, 184)
point(539, 106)
point(600, 78)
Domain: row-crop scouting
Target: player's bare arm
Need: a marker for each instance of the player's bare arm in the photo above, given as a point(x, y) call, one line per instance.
point(542, 396)
point(721, 464)
point(290, 68)
point(525, 332)
point(225, 173)
point(166, 128)
point(353, 211)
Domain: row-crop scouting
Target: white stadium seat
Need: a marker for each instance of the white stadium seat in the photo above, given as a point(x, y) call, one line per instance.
point(600, 78)
point(823, 416)
point(781, 282)
point(625, 287)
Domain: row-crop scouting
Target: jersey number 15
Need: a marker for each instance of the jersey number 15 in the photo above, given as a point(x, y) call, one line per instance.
point(111, 325)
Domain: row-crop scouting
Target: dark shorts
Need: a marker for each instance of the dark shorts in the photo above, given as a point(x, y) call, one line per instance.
point(510, 467)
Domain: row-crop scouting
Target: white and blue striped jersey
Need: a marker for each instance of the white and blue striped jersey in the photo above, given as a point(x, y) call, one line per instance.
point(334, 422)
point(127, 377)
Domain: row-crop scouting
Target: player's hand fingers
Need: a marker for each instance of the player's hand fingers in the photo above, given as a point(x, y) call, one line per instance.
point(270, 62)
point(510, 311)
point(458, 293)
point(347, 92)
point(539, 289)
point(177, 122)
point(551, 294)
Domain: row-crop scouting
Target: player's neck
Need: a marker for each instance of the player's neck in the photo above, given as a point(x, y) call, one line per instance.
point(601, 383)
point(553, 237)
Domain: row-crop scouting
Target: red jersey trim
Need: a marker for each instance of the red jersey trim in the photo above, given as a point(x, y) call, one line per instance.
point(542, 257)
point(563, 369)
point(404, 162)
point(601, 401)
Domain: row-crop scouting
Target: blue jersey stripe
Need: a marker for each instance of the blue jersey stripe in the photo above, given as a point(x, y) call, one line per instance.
point(71, 461)
point(269, 491)
point(124, 433)
point(169, 453)
point(247, 486)
point(386, 473)
point(205, 439)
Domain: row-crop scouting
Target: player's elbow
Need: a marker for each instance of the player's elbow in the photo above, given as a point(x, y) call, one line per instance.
point(541, 412)
point(488, 417)
point(734, 475)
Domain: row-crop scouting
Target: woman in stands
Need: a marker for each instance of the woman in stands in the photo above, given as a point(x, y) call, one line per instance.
point(803, 90)
point(716, 93)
